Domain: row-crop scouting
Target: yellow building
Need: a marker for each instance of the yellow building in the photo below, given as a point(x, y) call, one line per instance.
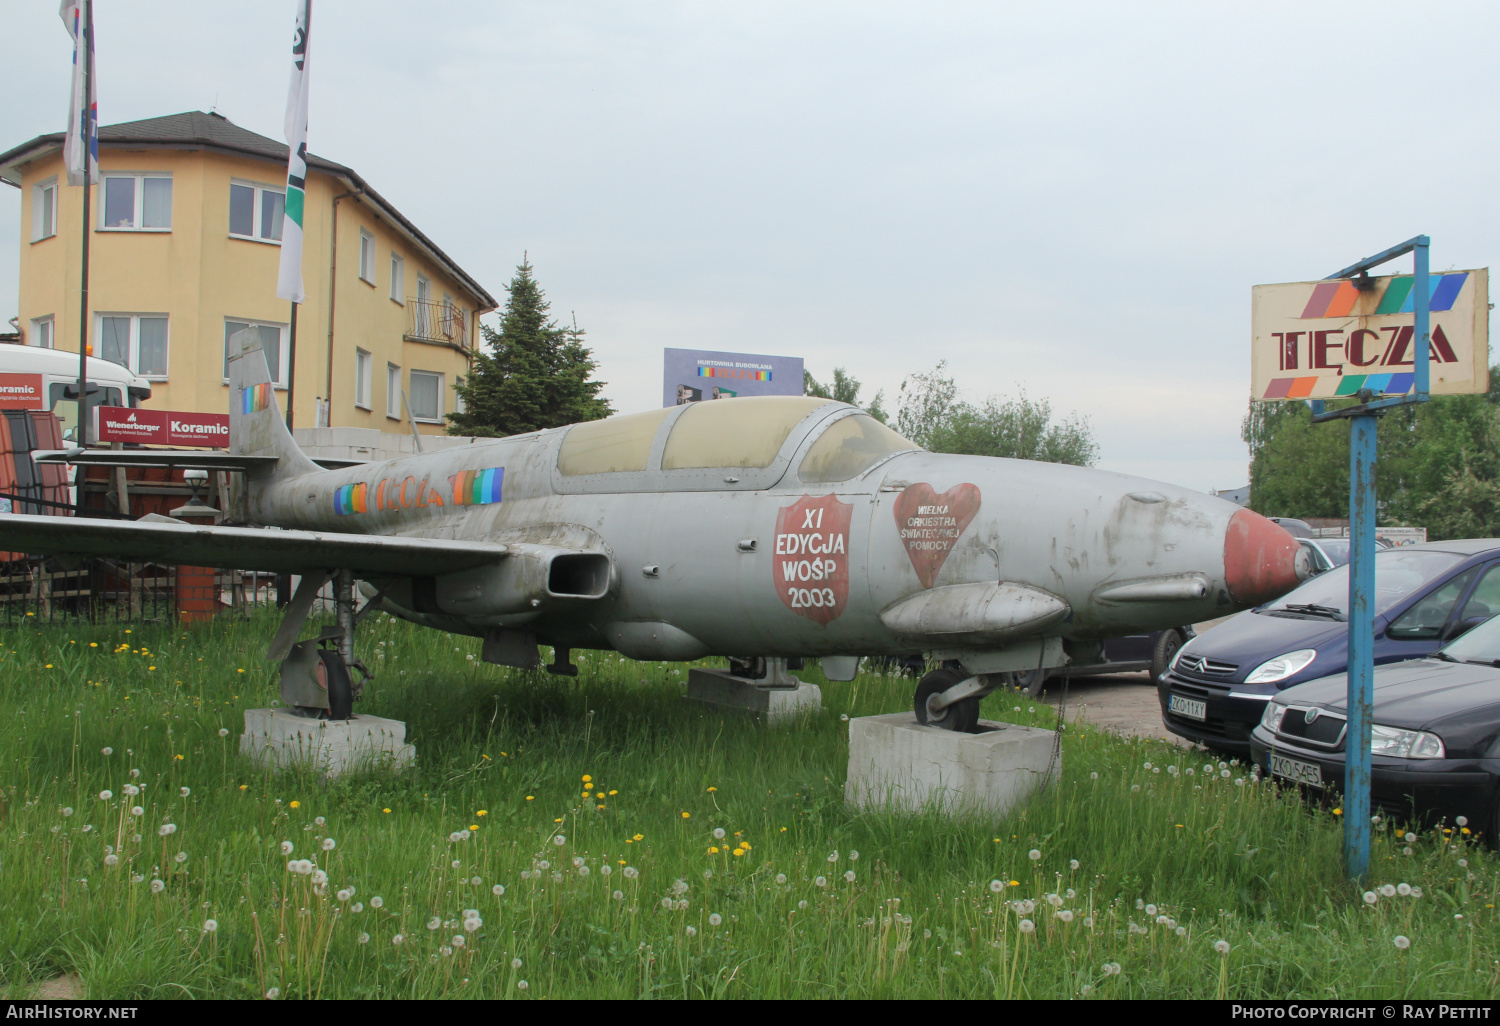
point(184, 250)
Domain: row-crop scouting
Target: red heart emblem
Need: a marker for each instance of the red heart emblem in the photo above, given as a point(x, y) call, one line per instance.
point(930, 524)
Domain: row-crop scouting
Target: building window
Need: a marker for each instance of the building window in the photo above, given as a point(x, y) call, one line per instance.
point(426, 396)
point(398, 278)
point(272, 342)
point(367, 256)
point(42, 333)
point(137, 342)
point(141, 203)
point(255, 211)
point(364, 366)
point(44, 210)
point(393, 391)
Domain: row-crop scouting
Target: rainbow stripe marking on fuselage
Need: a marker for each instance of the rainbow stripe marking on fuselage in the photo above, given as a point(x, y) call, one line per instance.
point(351, 498)
point(478, 487)
point(256, 398)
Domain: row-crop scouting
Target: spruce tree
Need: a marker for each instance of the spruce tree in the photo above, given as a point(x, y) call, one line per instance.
point(529, 375)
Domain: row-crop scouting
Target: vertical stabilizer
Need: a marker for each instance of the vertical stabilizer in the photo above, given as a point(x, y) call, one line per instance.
point(256, 425)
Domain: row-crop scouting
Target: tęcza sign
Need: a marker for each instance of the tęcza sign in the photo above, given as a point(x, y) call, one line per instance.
point(162, 427)
point(1320, 339)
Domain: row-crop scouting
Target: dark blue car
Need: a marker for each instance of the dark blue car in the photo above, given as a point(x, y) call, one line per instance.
point(1215, 690)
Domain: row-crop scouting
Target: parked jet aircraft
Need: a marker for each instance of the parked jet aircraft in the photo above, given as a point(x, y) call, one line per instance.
point(760, 529)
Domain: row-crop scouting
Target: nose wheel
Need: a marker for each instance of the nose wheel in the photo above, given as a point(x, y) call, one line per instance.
point(950, 699)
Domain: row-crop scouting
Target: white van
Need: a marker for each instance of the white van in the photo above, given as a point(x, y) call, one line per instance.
point(109, 383)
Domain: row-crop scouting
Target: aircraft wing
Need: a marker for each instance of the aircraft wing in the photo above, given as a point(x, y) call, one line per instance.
point(190, 459)
point(244, 548)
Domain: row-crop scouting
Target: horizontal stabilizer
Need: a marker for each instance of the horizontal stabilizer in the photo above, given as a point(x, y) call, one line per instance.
point(187, 459)
point(974, 614)
point(245, 548)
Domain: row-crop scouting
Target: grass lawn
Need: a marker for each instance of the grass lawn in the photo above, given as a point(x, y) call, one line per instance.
point(601, 837)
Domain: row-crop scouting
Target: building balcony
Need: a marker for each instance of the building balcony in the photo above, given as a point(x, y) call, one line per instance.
point(437, 323)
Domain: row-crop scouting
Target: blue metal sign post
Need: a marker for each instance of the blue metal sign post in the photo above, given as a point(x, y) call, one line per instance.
point(1363, 420)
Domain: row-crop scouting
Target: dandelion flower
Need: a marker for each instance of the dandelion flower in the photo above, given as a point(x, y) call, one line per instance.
point(1401, 941)
point(715, 919)
point(1027, 926)
point(687, 815)
point(296, 805)
point(157, 886)
point(286, 847)
point(1034, 855)
point(1221, 946)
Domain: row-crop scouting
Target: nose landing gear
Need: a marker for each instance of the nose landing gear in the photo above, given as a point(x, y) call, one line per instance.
point(949, 698)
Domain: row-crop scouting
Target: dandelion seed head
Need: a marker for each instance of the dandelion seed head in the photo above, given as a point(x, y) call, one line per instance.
point(1401, 941)
point(210, 926)
point(849, 876)
point(1027, 926)
point(1371, 897)
point(780, 879)
point(157, 886)
point(1221, 946)
point(273, 993)
point(618, 895)
point(515, 963)
point(398, 939)
point(1403, 889)
point(180, 857)
point(996, 886)
point(820, 881)
point(714, 919)
point(1034, 855)
point(522, 985)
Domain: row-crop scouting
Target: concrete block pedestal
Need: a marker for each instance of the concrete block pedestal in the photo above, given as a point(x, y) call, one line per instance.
point(898, 764)
point(720, 688)
point(279, 738)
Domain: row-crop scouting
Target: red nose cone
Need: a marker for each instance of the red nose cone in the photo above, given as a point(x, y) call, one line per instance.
point(1261, 560)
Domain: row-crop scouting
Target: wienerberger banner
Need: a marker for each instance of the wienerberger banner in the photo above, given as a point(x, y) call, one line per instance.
point(1319, 339)
point(163, 427)
point(21, 392)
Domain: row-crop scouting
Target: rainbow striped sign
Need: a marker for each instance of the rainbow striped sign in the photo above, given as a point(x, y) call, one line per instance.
point(256, 398)
point(734, 372)
point(478, 487)
point(351, 498)
point(1324, 339)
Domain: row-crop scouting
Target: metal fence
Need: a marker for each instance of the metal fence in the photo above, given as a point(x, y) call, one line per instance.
point(46, 589)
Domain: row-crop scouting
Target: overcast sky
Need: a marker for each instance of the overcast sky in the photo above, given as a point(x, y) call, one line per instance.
point(1071, 199)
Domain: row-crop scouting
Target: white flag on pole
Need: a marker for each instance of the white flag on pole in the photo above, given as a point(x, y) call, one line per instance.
point(81, 141)
point(289, 275)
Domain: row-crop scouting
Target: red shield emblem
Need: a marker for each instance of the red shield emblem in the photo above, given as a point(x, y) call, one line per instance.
point(810, 567)
point(930, 525)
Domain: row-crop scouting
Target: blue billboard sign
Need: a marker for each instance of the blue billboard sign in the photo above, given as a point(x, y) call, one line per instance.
point(693, 375)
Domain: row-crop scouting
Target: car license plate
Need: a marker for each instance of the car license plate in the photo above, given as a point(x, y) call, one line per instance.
point(1296, 770)
point(1192, 708)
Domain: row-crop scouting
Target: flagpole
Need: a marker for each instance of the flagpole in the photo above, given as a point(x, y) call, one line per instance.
point(84, 50)
point(291, 373)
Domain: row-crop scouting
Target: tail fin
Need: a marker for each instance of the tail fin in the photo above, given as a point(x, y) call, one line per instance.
point(256, 426)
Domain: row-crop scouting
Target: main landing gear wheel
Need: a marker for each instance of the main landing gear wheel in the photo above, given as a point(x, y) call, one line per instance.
point(1031, 681)
point(961, 716)
point(340, 689)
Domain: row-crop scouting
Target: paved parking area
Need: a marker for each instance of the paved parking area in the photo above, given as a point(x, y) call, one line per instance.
point(1124, 703)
